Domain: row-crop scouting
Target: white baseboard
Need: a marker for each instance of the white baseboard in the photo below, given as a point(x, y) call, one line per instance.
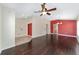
point(65, 35)
point(7, 47)
point(53, 33)
point(0, 51)
point(38, 35)
point(78, 38)
point(20, 35)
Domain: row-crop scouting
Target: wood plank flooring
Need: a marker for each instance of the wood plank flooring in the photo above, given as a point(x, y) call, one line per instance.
point(46, 45)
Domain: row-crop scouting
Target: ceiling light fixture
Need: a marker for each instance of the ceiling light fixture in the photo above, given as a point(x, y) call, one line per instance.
point(44, 13)
point(45, 10)
point(59, 23)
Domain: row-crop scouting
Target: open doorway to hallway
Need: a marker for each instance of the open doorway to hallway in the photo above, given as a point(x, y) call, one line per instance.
point(23, 31)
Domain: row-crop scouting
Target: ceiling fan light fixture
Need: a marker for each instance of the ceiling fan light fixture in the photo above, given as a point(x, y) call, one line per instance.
point(44, 13)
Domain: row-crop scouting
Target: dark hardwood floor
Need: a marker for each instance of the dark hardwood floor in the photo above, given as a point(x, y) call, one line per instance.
point(46, 45)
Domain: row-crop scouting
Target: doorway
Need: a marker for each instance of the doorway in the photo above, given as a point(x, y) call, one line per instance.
point(55, 31)
point(55, 28)
point(30, 29)
point(22, 32)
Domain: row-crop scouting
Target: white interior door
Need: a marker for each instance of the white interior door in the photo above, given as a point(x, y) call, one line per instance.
point(55, 31)
point(55, 28)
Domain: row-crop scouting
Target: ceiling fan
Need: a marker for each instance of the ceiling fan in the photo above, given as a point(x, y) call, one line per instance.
point(44, 10)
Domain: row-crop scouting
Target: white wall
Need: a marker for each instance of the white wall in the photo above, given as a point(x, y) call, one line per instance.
point(0, 29)
point(20, 27)
point(78, 30)
point(39, 26)
point(8, 28)
point(64, 11)
point(27, 22)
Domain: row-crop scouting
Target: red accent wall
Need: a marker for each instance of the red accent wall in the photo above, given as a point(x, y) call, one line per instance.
point(30, 29)
point(68, 27)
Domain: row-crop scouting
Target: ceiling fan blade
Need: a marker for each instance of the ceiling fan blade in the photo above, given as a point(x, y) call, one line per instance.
point(45, 9)
point(51, 9)
point(48, 14)
point(37, 11)
point(41, 14)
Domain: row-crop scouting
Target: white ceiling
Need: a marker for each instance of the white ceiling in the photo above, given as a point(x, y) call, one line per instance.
point(27, 9)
